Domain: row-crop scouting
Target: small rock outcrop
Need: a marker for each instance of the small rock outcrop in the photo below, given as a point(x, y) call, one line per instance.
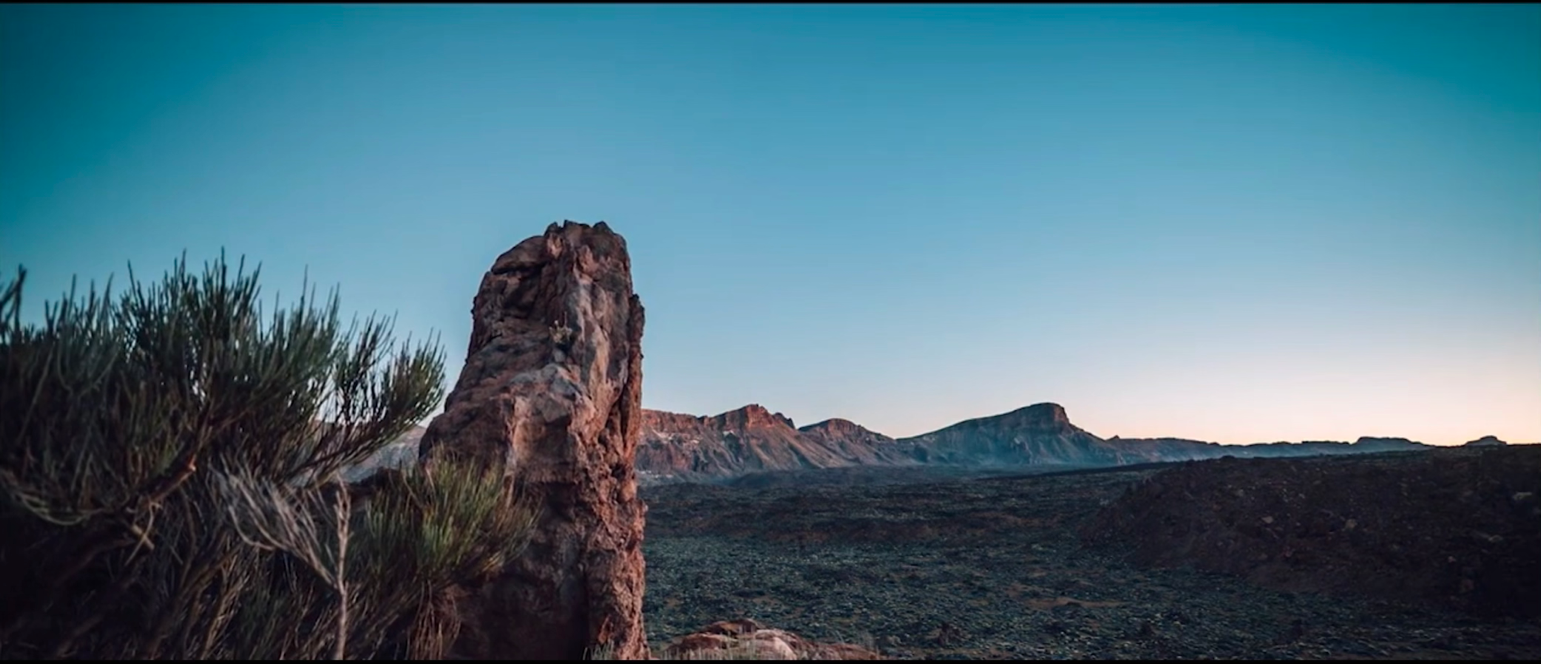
point(746, 639)
point(551, 393)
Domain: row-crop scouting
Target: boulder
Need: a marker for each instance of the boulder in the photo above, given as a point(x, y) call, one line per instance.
point(551, 394)
point(747, 639)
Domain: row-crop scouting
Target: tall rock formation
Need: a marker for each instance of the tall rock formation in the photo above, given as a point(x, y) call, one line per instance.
point(551, 393)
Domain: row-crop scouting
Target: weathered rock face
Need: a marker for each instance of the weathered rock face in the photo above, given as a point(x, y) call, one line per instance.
point(551, 393)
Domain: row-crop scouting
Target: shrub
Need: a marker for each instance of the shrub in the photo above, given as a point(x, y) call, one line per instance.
point(170, 487)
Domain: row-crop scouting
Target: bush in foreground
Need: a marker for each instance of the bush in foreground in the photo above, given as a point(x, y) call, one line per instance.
point(170, 487)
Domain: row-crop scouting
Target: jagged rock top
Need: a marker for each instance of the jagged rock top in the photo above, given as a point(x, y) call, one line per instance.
point(601, 242)
point(836, 425)
point(748, 417)
point(754, 415)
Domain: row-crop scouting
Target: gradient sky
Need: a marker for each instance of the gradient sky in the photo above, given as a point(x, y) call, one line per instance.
point(1233, 223)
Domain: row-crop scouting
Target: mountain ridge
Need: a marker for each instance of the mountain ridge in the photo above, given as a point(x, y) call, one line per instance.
point(675, 447)
point(680, 447)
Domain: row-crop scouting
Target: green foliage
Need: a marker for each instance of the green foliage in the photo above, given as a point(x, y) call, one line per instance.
point(169, 480)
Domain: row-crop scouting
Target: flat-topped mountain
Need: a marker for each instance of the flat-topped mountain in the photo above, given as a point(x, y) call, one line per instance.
point(1038, 434)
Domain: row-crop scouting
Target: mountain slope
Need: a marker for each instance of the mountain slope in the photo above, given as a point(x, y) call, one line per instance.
point(1035, 435)
point(858, 444)
point(677, 446)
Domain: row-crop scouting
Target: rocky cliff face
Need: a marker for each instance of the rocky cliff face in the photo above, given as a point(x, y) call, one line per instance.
point(551, 393)
point(675, 446)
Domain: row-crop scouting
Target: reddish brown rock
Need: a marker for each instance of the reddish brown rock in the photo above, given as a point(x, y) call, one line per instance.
point(746, 639)
point(551, 393)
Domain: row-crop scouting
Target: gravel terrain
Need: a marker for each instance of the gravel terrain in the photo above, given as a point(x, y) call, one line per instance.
point(993, 568)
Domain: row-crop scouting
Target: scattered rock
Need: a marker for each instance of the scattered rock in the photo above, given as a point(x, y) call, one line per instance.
point(947, 634)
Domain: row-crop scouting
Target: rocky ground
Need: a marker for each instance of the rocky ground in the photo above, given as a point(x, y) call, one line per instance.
point(996, 567)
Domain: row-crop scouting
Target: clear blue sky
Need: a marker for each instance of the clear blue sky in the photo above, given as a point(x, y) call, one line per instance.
point(1235, 223)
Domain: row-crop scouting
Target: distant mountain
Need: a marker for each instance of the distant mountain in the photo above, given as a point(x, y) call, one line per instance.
point(1153, 450)
point(751, 439)
point(1485, 441)
point(675, 446)
point(679, 447)
point(858, 444)
point(1177, 449)
point(1036, 435)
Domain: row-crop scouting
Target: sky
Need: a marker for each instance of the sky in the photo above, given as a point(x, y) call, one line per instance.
point(1236, 223)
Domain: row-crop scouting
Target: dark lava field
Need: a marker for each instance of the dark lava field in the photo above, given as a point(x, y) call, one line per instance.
point(1426, 555)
